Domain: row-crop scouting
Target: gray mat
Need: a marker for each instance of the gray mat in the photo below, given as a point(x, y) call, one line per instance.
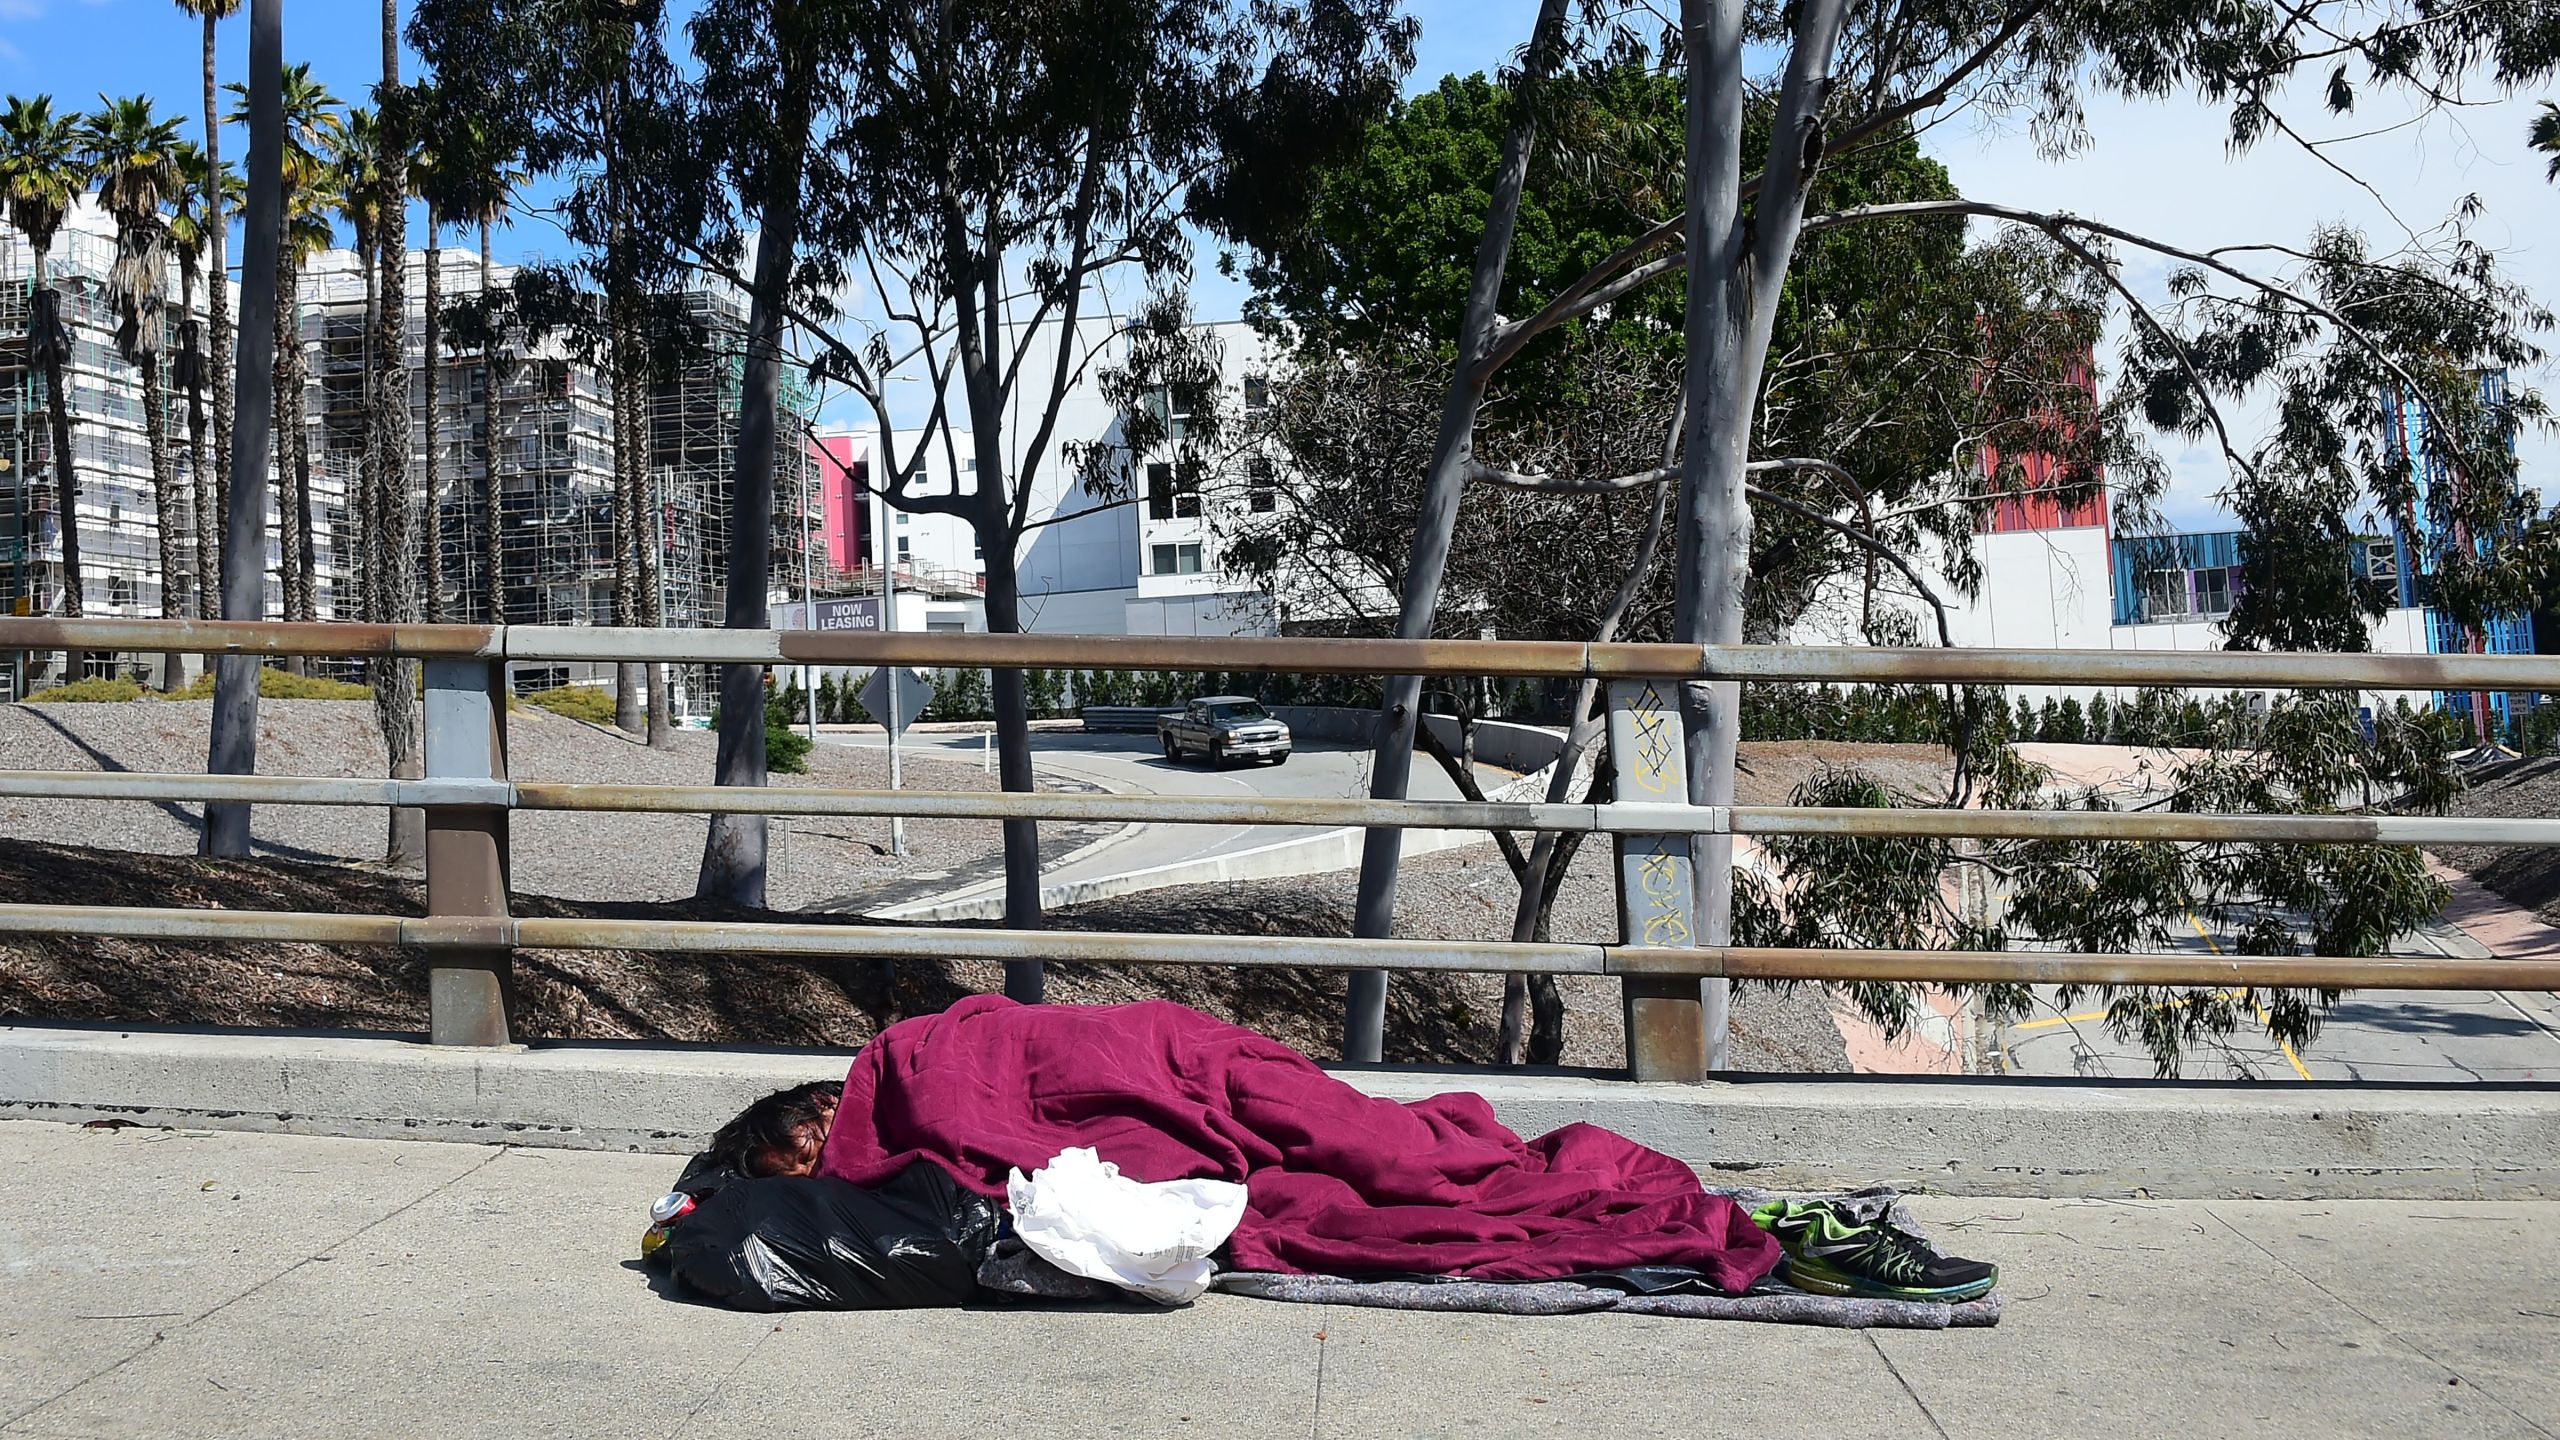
point(1013, 1270)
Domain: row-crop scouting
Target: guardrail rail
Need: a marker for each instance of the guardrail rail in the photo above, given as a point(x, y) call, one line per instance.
point(470, 934)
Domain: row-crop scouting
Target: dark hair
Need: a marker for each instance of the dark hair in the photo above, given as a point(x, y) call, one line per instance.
point(772, 1123)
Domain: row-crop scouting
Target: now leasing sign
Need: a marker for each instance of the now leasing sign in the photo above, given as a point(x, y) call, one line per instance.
point(862, 615)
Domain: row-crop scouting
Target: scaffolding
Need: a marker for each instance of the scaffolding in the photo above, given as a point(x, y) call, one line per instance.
point(119, 520)
point(550, 435)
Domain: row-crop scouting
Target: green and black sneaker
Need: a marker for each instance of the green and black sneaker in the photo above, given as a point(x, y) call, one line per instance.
point(1829, 1252)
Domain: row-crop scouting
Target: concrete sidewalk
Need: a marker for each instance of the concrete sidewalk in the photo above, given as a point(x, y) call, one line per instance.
point(172, 1283)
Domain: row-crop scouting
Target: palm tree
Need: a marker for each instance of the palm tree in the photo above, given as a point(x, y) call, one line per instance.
point(355, 174)
point(42, 173)
point(189, 232)
point(476, 182)
point(311, 123)
point(2546, 137)
point(134, 155)
point(216, 189)
point(433, 163)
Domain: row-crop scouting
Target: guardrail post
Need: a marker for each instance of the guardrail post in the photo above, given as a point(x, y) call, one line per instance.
point(1657, 884)
point(470, 992)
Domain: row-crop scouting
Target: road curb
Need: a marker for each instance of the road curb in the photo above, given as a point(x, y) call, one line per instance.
point(1958, 1136)
point(1319, 854)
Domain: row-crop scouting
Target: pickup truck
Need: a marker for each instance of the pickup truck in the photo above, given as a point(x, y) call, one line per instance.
point(1223, 728)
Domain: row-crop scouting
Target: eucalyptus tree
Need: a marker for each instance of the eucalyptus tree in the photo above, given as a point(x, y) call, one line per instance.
point(584, 92)
point(2326, 335)
point(1021, 173)
point(232, 746)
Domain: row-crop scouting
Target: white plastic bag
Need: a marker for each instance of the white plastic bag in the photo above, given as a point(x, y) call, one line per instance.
point(1083, 1216)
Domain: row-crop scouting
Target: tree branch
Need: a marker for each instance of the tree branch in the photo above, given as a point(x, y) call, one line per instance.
point(1465, 780)
point(1891, 556)
point(2055, 222)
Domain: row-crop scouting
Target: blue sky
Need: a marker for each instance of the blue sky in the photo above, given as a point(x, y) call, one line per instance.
point(76, 50)
point(2161, 169)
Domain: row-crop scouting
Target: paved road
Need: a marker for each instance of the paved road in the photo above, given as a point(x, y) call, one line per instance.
point(1131, 764)
point(2407, 1035)
point(162, 1284)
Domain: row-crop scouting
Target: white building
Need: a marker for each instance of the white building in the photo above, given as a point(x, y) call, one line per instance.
point(1144, 562)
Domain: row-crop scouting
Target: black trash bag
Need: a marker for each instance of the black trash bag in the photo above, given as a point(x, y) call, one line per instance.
point(807, 1242)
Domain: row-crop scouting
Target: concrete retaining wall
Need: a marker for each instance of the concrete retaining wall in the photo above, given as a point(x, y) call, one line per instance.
point(1963, 1137)
point(1498, 742)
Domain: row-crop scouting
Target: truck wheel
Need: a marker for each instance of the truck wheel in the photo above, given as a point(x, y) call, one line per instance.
point(1172, 752)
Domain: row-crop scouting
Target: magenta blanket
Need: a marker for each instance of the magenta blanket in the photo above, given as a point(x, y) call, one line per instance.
point(1336, 1181)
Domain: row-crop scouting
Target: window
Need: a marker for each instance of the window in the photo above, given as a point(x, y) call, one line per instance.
point(1239, 710)
point(2213, 592)
point(1174, 559)
point(977, 547)
point(120, 590)
point(2164, 595)
point(902, 547)
point(902, 517)
point(1261, 486)
point(1257, 392)
point(1159, 491)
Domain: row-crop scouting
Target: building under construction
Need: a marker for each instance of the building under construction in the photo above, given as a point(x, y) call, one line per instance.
point(546, 429)
point(119, 522)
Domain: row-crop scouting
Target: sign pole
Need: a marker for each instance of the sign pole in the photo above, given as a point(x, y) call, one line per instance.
point(888, 623)
point(808, 612)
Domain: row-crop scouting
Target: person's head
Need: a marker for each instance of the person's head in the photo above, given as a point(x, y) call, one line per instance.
point(781, 1134)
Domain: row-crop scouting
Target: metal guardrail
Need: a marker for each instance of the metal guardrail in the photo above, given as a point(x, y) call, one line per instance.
point(471, 936)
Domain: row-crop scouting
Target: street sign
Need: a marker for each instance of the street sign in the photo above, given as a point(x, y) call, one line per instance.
point(861, 615)
point(915, 691)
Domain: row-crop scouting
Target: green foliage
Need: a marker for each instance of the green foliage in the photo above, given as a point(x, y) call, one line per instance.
point(960, 695)
point(786, 748)
point(1045, 693)
point(2310, 753)
point(591, 703)
point(96, 689)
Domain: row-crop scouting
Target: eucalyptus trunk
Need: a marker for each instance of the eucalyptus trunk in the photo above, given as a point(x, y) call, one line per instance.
point(981, 382)
point(233, 748)
point(734, 852)
point(395, 687)
point(1737, 264)
point(1391, 771)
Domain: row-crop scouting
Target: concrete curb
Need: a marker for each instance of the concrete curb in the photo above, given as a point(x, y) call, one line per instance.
point(1963, 1137)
